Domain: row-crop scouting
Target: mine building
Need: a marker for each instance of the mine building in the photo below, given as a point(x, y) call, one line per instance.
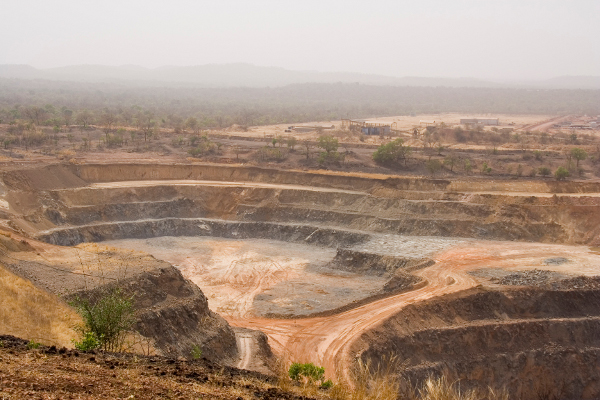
point(480, 121)
point(309, 128)
point(366, 127)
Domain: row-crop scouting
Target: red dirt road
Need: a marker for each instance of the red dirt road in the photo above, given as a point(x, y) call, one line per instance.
point(327, 340)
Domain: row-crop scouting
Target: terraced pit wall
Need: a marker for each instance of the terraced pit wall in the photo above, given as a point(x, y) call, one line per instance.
point(530, 341)
point(411, 206)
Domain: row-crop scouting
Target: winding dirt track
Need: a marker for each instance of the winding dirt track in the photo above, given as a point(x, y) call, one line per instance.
point(245, 349)
point(545, 125)
point(326, 340)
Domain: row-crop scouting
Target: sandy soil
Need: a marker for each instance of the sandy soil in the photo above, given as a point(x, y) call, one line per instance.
point(403, 122)
point(245, 278)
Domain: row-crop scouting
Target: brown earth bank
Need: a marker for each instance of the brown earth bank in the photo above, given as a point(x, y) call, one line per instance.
point(172, 313)
point(529, 341)
point(60, 373)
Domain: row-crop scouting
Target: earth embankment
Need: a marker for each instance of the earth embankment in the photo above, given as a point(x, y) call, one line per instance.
point(530, 341)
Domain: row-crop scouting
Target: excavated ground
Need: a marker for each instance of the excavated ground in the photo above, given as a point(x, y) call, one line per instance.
point(330, 266)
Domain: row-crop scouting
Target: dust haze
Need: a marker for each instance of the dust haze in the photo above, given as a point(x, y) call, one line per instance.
point(501, 41)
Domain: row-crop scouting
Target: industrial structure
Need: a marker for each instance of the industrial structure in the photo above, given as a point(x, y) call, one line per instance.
point(480, 121)
point(366, 128)
point(309, 128)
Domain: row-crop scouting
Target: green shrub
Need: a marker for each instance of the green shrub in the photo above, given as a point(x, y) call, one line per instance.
point(468, 166)
point(307, 371)
point(88, 342)
point(196, 352)
point(108, 318)
point(328, 384)
point(544, 171)
point(330, 158)
point(392, 153)
point(433, 166)
point(561, 173)
point(328, 143)
point(485, 169)
point(32, 344)
point(267, 153)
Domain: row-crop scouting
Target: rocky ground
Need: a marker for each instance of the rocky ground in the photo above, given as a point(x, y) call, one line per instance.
point(58, 373)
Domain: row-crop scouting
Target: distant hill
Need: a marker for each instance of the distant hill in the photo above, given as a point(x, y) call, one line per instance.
point(572, 82)
point(247, 75)
point(222, 75)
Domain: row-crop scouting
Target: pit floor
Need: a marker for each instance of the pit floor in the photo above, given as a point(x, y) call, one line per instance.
point(267, 278)
point(259, 277)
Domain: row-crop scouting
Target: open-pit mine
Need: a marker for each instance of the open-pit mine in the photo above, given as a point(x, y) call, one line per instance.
point(493, 283)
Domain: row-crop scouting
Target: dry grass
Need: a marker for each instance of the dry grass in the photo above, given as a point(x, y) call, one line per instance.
point(442, 389)
point(383, 382)
point(371, 382)
point(31, 313)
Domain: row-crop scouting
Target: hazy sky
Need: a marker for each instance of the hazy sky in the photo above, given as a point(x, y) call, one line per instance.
point(500, 39)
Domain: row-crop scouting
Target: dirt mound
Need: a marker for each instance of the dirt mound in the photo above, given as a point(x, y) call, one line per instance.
point(578, 283)
point(46, 178)
point(373, 264)
point(534, 277)
point(550, 280)
point(51, 372)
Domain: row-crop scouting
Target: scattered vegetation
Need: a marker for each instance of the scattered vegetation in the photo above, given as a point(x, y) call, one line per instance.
point(309, 374)
point(63, 104)
point(106, 320)
point(433, 166)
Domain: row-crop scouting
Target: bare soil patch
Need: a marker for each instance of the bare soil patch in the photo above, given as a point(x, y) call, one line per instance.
point(260, 277)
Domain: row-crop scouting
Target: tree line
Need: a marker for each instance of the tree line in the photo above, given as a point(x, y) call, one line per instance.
point(53, 103)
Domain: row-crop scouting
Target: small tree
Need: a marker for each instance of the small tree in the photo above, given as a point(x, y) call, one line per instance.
point(392, 153)
point(450, 161)
point(433, 166)
point(561, 173)
point(468, 166)
point(106, 320)
point(485, 169)
point(307, 146)
point(291, 142)
point(328, 143)
point(578, 154)
point(520, 170)
point(544, 171)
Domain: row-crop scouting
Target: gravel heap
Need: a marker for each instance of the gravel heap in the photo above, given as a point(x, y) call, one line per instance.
point(578, 283)
point(535, 277)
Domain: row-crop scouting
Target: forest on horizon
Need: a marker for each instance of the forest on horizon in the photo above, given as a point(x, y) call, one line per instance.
point(46, 102)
